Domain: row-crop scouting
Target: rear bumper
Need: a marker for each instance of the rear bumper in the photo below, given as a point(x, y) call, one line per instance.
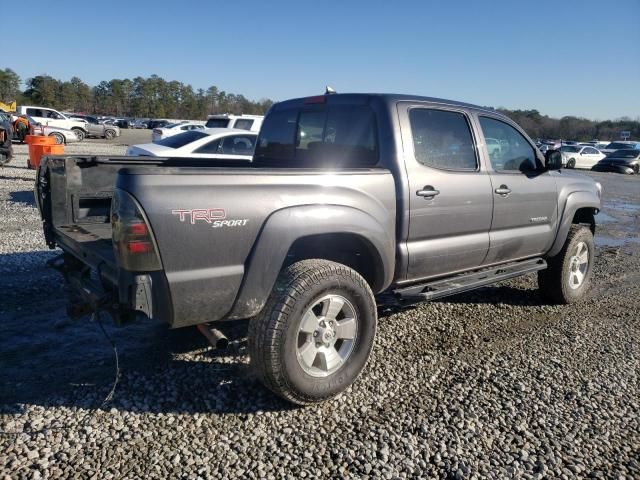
point(123, 294)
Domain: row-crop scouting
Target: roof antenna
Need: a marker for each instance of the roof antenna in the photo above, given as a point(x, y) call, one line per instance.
point(329, 90)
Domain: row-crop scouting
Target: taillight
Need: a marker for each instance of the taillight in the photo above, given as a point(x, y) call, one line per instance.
point(132, 239)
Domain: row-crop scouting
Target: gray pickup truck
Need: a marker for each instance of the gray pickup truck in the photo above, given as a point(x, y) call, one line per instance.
point(351, 201)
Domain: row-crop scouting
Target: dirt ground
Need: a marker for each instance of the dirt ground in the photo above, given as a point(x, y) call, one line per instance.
point(455, 388)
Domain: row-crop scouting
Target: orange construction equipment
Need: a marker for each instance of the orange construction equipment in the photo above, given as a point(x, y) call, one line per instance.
point(40, 146)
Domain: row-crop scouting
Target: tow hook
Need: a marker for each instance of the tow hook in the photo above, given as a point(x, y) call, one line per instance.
point(216, 338)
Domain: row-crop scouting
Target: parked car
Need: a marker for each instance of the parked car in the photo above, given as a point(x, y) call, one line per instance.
point(621, 161)
point(212, 143)
point(173, 129)
point(62, 135)
point(99, 130)
point(6, 137)
point(53, 118)
point(138, 123)
point(242, 122)
point(575, 156)
point(348, 195)
point(613, 146)
point(151, 124)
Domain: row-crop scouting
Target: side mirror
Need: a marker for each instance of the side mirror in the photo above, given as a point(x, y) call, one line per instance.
point(553, 160)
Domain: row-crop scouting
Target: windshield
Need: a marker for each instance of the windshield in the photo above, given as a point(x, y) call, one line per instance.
point(569, 149)
point(181, 139)
point(217, 123)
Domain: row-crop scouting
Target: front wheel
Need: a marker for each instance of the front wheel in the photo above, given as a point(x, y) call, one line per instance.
point(79, 133)
point(315, 334)
point(568, 275)
point(636, 169)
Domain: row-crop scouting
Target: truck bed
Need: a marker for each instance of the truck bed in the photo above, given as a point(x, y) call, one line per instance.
point(211, 268)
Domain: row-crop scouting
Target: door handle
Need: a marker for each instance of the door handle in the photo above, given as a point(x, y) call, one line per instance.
point(428, 192)
point(503, 190)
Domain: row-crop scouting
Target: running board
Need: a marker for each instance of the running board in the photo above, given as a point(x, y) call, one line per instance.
point(468, 281)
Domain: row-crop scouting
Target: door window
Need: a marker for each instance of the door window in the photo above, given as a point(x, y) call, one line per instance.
point(238, 145)
point(53, 115)
point(35, 112)
point(590, 151)
point(515, 153)
point(243, 124)
point(442, 139)
point(210, 147)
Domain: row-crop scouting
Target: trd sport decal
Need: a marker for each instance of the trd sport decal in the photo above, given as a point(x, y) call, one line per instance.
point(216, 217)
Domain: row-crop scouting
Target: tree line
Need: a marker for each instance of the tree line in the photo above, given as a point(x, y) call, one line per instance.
point(140, 97)
point(572, 128)
point(155, 97)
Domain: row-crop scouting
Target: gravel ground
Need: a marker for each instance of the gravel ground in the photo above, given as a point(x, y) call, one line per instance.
point(492, 383)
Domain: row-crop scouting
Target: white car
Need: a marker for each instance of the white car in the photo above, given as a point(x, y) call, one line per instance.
point(242, 122)
point(174, 129)
point(53, 118)
point(575, 156)
point(210, 143)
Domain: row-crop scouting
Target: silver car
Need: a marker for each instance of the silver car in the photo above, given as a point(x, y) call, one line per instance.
point(62, 135)
point(99, 130)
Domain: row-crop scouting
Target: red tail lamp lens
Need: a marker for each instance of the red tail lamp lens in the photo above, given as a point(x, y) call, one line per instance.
point(139, 247)
point(138, 229)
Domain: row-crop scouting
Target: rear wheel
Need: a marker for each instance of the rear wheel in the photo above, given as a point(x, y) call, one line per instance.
point(315, 334)
point(59, 138)
point(109, 134)
point(568, 275)
point(79, 133)
point(571, 163)
point(6, 157)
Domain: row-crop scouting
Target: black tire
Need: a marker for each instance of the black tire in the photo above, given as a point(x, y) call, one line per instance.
point(555, 283)
point(109, 134)
point(275, 336)
point(59, 138)
point(6, 157)
point(636, 169)
point(79, 133)
point(571, 163)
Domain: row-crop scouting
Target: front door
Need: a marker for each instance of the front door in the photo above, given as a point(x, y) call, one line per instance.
point(525, 212)
point(588, 157)
point(450, 199)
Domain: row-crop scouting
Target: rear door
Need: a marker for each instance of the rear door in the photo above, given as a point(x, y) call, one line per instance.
point(525, 211)
point(450, 197)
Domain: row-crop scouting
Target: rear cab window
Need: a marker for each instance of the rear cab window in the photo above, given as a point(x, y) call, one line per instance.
point(322, 135)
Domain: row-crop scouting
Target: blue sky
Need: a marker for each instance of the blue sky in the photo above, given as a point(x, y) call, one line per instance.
point(562, 57)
